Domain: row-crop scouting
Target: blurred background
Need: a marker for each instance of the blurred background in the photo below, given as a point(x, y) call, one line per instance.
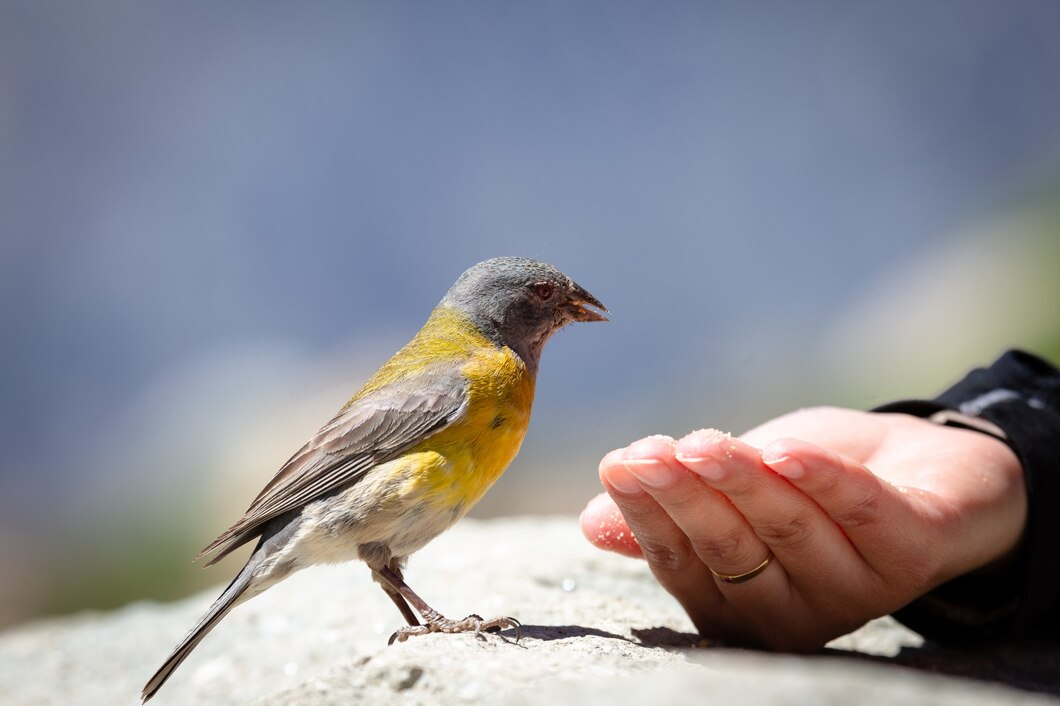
point(216, 219)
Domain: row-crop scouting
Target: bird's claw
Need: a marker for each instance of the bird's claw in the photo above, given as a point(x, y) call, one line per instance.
point(472, 623)
point(498, 624)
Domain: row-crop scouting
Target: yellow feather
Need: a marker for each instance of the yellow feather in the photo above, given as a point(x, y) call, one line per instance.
point(454, 468)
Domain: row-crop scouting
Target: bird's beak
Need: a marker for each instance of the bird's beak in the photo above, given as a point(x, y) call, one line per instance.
point(578, 306)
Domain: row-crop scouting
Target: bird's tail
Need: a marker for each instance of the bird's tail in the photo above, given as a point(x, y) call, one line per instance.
point(224, 603)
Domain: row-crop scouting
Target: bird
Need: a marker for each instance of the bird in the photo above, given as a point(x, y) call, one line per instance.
point(411, 452)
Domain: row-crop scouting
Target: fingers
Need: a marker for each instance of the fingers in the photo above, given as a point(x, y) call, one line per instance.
point(781, 517)
point(711, 497)
point(716, 530)
point(871, 512)
point(673, 513)
point(662, 543)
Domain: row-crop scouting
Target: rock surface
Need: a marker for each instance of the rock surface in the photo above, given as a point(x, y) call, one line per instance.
point(597, 630)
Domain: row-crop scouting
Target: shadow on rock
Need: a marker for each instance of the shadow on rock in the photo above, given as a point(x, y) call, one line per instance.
point(1034, 666)
point(665, 637)
point(561, 632)
point(644, 637)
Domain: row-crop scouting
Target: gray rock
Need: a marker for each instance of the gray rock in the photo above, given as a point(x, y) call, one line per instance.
point(597, 630)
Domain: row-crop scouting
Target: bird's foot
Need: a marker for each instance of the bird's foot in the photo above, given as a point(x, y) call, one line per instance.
point(472, 623)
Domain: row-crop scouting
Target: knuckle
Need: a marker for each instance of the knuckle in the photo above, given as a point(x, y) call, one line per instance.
point(682, 502)
point(829, 485)
point(789, 532)
point(728, 548)
point(864, 510)
point(665, 557)
point(641, 516)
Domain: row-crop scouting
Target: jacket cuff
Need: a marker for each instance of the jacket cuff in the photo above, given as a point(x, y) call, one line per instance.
point(1020, 395)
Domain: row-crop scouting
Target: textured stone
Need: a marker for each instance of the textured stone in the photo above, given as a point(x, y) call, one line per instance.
point(597, 630)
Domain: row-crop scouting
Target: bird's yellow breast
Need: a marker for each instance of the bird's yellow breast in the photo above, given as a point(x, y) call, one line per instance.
point(460, 463)
point(452, 469)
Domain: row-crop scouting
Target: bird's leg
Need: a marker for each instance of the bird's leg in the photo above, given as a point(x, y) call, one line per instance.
point(433, 620)
point(395, 568)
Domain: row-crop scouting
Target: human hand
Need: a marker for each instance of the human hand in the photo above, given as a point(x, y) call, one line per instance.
point(849, 543)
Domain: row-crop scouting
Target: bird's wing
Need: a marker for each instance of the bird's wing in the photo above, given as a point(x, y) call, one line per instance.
point(373, 429)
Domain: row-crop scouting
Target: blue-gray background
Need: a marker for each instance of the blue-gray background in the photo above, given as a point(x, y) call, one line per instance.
point(217, 218)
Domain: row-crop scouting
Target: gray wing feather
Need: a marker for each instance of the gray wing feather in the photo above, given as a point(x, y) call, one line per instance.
point(375, 429)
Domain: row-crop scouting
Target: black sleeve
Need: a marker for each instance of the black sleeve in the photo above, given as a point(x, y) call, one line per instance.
point(1020, 394)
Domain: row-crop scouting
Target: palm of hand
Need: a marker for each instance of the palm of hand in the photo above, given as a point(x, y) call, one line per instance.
point(952, 480)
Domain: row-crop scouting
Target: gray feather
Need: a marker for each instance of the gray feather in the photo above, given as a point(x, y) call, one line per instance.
point(274, 536)
point(224, 603)
point(376, 428)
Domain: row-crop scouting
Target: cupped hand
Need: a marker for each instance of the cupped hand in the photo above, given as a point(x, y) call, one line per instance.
point(860, 512)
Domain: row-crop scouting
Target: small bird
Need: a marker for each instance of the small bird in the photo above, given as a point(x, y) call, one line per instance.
point(411, 452)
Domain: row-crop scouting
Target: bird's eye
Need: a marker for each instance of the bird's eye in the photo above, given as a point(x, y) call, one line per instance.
point(544, 290)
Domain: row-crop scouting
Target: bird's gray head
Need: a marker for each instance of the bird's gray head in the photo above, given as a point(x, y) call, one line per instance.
point(519, 303)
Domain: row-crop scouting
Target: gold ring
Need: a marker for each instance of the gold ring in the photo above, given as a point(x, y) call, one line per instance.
point(745, 576)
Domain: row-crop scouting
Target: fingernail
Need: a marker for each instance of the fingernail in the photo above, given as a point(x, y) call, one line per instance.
point(621, 480)
point(696, 451)
point(651, 473)
point(785, 466)
point(706, 467)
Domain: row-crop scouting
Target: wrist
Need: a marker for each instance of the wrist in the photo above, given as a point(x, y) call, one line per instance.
point(1020, 394)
